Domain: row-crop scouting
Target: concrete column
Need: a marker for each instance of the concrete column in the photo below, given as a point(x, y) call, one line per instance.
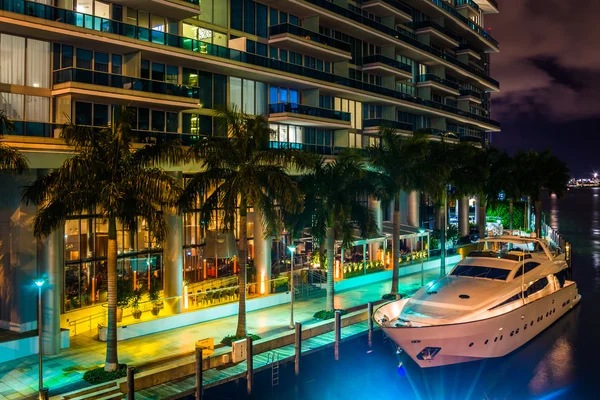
point(310, 97)
point(311, 23)
point(262, 250)
point(463, 216)
point(173, 257)
point(50, 260)
point(375, 207)
point(413, 208)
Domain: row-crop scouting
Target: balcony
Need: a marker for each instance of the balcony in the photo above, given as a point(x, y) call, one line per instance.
point(382, 65)
point(295, 38)
point(471, 95)
point(64, 79)
point(439, 35)
point(303, 115)
point(438, 133)
point(174, 9)
point(444, 85)
point(215, 56)
point(467, 3)
point(384, 8)
point(488, 6)
point(318, 149)
point(374, 125)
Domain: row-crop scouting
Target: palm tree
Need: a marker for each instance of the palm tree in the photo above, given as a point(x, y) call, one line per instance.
point(504, 176)
point(242, 171)
point(337, 210)
point(109, 176)
point(401, 162)
point(11, 160)
point(541, 171)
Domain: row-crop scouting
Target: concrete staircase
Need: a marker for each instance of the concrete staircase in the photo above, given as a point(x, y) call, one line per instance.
point(309, 291)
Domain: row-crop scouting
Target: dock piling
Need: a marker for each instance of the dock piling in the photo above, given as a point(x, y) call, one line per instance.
point(130, 383)
point(370, 322)
point(338, 334)
point(298, 348)
point(250, 366)
point(199, 377)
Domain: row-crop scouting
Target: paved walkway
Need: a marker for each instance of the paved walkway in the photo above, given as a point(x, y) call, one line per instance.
point(63, 372)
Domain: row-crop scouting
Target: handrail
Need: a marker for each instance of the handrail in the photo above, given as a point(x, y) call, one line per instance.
point(295, 108)
point(430, 24)
point(378, 58)
point(435, 78)
point(310, 35)
point(379, 122)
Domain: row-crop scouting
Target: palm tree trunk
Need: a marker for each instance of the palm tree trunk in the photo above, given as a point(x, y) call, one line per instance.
point(330, 267)
point(481, 222)
point(396, 244)
point(537, 205)
point(243, 251)
point(112, 360)
point(510, 215)
point(443, 233)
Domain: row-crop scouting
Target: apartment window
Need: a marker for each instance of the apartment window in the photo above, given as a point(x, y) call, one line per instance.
point(249, 17)
point(283, 95)
point(172, 121)
point(172, 74)
point(101, 62)
point(67, 56)
point(196, 124)
point(12, 62)
point(38, 62)
point(145, 69)
point(143, 119)
point(236, 14)
point(143, 19)
point(117, 64)
point(205, 88)
point(158, 121)
point(215, 11)
point(158, 72)
point(83, 113)
point(248, 96)
point(13, 105)
point(84, 59)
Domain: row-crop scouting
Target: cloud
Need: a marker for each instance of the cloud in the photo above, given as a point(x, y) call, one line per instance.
point(549, 64)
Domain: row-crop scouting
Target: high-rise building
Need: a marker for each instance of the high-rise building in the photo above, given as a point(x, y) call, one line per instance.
point(327, 74)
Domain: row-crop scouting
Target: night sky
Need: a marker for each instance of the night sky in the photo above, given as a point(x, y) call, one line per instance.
point(549, 73)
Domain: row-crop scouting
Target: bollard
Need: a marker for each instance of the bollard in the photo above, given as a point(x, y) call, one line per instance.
point(298, 347)
point(199, 379)
point(130, 383)
point(43, 394)
point(370, 308)
point(250, 367)
point(338, 334)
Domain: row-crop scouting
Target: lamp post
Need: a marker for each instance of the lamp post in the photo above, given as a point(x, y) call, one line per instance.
point(421, 232)
point(42, 393)
point(292, 250)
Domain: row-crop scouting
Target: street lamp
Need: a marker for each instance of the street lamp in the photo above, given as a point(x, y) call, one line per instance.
point(42, 393)
point(292, 250)
point(421, 232)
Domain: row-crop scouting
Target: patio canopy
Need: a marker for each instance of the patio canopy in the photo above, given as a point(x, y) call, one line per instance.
point(406, 231)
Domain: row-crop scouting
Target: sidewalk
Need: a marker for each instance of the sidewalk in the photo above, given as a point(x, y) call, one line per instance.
point(19, 378)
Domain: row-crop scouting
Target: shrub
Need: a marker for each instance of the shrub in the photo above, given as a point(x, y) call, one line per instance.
point(390, 296)
point(99, 375)
point(229, 339)
point(323, 314)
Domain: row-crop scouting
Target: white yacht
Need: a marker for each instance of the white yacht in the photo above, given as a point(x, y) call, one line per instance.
point(491, 303)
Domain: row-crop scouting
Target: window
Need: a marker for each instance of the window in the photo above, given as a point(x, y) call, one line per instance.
point(83, 113)
point(248, 96)
point(158, 72)
point(101, 62)
point(249, 17)
point(172, 121)
point(100, 115)
point(13, 105)
point(117, 64)
point(145, 69)
point(143, 119)
point(12, 61)
point(84, 59)
point(475, 271)
point(536, 286)
point(527, 267)
point(67, 56)
point(261, 20)
point(236, 14)
point(158, 121)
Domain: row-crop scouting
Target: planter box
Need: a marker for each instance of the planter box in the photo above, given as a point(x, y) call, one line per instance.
point(192, 317)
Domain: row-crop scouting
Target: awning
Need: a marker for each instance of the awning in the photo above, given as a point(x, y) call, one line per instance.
point(406, 231)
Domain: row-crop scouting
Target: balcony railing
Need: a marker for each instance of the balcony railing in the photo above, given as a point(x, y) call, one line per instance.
point(46, 130)
point(437, 132)
point(437, 27)
point(318, 149)
point(441, 81)
point(378, 58)
point(124, 82)
point(478, 29)
point(467, 2)
point(401, 34)
point(384, 123)
point(396, 4)
point(278, 108)
point(309, 35)
point(101, 24)
point(470, 92)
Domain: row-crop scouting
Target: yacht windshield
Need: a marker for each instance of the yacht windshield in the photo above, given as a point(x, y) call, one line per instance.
point(475, 271)
point(510, 250)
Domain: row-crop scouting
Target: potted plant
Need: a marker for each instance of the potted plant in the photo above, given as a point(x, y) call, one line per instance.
point(154, 295)
point(135, 303)
point(124, 295)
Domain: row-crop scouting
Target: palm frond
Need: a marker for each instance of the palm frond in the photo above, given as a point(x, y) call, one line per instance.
point(12, 161)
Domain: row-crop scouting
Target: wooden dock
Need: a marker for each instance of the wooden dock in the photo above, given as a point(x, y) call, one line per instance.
point(212, 377)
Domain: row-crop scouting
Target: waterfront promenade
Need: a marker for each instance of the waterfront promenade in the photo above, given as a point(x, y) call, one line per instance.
point(63, 372)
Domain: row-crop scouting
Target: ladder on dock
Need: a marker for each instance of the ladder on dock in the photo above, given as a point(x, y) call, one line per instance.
point(273, 358)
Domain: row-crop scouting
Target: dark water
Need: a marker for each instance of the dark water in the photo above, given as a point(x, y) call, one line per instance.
point(563, 362)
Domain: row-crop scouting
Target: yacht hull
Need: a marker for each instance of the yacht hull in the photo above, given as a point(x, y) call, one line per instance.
point(434, 346)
